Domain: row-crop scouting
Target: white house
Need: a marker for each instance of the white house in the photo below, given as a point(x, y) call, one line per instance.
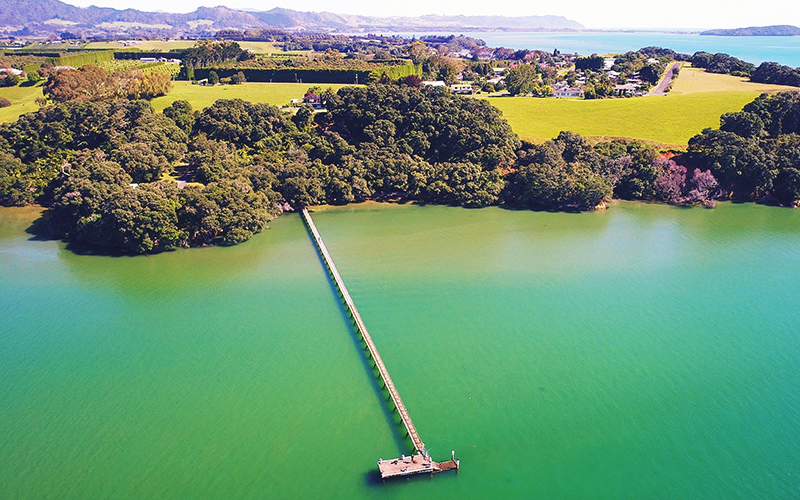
point(568, 92)
point(627, 89)
point(461, 88)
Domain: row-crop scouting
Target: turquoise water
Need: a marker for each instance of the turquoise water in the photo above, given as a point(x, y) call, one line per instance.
point(754, 49)
point(642, 352)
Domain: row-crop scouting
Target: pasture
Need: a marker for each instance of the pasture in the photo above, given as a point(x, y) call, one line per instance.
point(199, 96)
point(696, 102)
point(23, 100)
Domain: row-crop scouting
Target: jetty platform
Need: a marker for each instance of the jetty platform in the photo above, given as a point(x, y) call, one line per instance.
point(419, 462)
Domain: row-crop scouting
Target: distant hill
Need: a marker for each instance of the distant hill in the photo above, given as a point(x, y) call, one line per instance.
point(777, 30)
point(54, 15)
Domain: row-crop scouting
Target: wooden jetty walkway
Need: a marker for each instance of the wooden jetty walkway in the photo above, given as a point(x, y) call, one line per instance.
point(420, 461)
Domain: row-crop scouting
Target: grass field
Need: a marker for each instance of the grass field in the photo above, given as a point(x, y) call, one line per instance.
point(200, 96)
point(694, 80)
point(696, 102)
point(23, 100)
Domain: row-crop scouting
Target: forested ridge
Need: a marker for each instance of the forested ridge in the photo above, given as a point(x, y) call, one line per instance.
point(108, 170)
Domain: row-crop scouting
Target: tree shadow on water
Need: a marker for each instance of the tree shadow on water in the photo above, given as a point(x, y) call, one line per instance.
point(38, 228)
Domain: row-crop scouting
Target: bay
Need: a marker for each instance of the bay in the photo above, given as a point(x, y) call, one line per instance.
point(753, 49)
point(645, 351)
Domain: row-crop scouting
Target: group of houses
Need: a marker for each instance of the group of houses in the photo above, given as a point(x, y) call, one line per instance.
point(159, 59)
point(456, 88)
point(623, 86)
point(465, 86)
point(632, 84)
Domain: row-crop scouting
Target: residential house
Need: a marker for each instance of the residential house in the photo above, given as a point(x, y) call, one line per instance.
point(627, 89)
point(313, 99)
point(568, 92)
point(461, 88)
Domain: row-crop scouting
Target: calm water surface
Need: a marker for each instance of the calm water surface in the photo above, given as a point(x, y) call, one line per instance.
point(642, 352)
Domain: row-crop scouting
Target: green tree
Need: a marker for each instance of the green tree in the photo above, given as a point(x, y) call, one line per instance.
point(593, 63)
point(522, 80)
point(181, 113)
point(304, 117)
point(82, 191)
point(140, 161)
point(238, 78)
point(417, 51)
point(140, 220)
point(650, 73)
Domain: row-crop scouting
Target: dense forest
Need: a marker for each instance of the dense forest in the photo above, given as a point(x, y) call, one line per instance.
point(721, 63)
point(755, 154)
point(117, 174)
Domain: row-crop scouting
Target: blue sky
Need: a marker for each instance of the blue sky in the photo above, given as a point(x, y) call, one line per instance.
point(684, 14)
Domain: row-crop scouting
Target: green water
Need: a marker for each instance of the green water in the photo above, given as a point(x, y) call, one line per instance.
point(642, 352)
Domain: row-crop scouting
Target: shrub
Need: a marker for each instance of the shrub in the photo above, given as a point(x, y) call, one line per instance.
point(238, 78)
point(4, 102)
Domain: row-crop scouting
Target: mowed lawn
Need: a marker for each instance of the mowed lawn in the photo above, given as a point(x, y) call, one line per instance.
point(697, 101)
point(199, 96)
point(694, 80)
point(23, 100)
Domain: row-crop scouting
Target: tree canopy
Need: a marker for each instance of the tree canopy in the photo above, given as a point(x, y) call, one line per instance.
point(755, 154)
point(107, 170)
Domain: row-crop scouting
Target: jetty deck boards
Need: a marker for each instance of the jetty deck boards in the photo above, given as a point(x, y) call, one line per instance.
point(420, 462)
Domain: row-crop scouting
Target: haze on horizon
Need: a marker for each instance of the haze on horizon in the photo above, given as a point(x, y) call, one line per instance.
point(624, 14)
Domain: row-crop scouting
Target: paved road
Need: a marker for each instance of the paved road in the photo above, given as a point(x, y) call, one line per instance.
point(662, 87)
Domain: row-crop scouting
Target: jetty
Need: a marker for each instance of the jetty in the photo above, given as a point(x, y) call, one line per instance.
point(420, 461)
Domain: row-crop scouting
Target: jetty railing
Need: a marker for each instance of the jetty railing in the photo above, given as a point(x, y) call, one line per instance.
point(419, 446)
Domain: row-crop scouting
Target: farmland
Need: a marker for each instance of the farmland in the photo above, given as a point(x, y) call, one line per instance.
point(200, 96)
point(23, 100)
point(696, 102)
